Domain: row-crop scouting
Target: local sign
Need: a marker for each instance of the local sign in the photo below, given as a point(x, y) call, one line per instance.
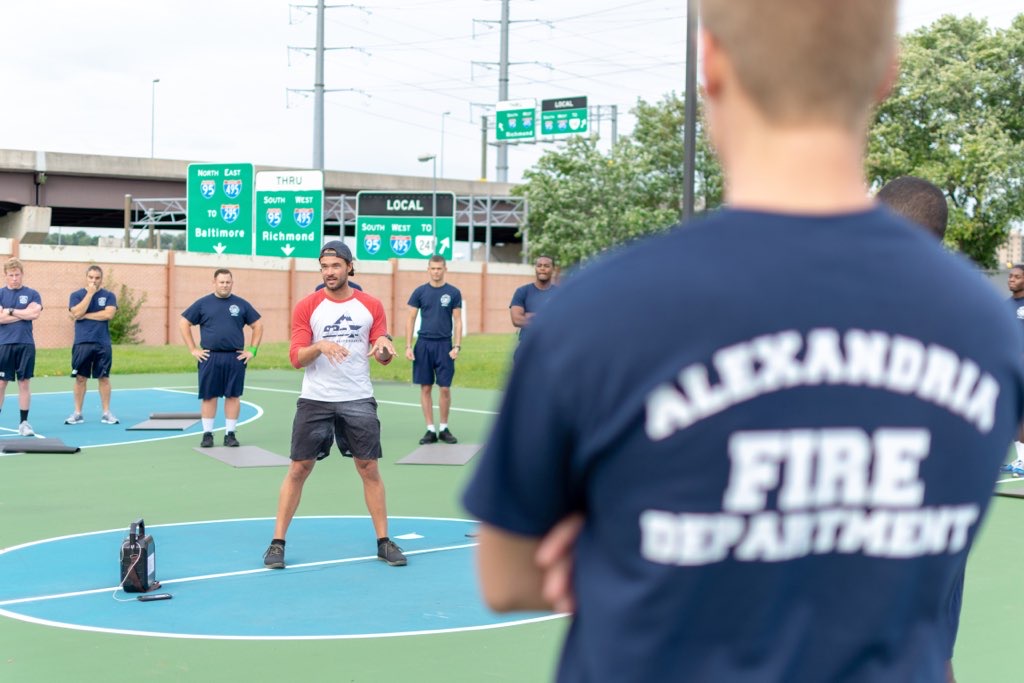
point(219, 214)
point(289, 213)
point(563, 116)
point(404, 225)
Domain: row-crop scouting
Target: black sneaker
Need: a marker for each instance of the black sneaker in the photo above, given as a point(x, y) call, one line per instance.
point(230, 440)
point(207, 441)
point(389, 552)
point(429, 437)
point(274, 557)
point(447, 436)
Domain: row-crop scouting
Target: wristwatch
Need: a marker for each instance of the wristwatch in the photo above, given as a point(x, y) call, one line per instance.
point(458, 346)
point(10, 311)
point(389, 337)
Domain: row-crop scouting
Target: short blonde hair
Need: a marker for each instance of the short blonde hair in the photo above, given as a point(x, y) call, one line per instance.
point(13, 264)
point(807, 61)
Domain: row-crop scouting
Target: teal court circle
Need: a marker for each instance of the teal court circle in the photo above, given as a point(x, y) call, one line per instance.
point(131, 406)
point(333, 587)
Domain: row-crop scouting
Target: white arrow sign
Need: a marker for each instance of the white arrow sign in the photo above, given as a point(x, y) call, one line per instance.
point(287, 249)
point(444, 246)
point(219, 248)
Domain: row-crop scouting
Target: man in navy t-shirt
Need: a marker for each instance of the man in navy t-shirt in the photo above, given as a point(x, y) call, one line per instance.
point(92, 307)
point(1015, 283)
point(771, 481)
point(917, 200)
point(439, 306)
point(19, 306)
point(923, 204)
point(222, 356)
point(529, 299)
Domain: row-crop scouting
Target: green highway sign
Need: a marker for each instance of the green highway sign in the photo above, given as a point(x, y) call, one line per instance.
point(219, 215)
point(404, 225)
point(563, 116)
point(514, 120)
point(289, 213)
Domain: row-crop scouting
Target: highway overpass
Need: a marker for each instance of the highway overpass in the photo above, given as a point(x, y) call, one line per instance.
point(44, 190)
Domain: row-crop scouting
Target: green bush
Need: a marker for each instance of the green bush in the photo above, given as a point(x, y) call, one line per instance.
point(124, 326)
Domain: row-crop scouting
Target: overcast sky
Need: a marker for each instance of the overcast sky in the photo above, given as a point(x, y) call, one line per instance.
point(78, 76)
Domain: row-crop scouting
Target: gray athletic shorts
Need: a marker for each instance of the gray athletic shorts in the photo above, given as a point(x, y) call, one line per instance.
point(353, 425)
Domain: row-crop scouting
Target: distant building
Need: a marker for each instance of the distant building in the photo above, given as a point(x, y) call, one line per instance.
point(110, 242)
point(1012, 250)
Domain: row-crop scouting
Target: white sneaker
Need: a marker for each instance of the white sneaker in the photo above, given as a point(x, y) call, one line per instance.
point(109, 419)
point(74, 419)
point(1016, 468)
point(25, 429)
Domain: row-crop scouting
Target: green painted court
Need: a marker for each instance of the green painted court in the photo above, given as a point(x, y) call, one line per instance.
point(166, 481)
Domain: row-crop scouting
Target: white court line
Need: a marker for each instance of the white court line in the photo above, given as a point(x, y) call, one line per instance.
point(201, 522)
point(182, 435)
point(207, 636)
point(173, 390)
point(223, 575)
point(390, 403)
point(323, 636)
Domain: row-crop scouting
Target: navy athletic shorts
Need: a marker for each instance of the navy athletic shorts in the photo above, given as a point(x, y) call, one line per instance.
point(17, 361)
point(433, 365)
point(221, 374)
point(91, 360)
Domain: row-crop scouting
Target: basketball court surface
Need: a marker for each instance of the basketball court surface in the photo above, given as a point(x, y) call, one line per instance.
point(335, 613)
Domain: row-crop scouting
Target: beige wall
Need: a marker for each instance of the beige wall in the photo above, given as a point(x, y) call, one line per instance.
point(173, 280)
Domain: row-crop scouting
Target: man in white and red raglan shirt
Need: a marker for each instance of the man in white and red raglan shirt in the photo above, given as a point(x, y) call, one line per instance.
point(335, 330)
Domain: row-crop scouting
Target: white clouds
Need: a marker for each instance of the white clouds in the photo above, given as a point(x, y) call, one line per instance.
point(78, 76)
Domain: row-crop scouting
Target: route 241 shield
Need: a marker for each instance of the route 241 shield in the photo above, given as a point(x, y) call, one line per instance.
point(425, 245)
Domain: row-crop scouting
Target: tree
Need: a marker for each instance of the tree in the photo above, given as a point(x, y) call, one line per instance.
point(583, 201)
point(956, 117)
point(78, 238)
point(174, 241)
point(125, 326)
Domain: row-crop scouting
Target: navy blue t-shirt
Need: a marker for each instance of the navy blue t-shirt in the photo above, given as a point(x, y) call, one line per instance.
point(532, 298)
point(436, 305)
point(94, 331)
point(782, 432)
point(1017, 310)
point(221, 321)
point(19, 332)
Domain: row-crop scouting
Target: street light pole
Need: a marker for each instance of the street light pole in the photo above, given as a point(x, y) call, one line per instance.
point(690, 111)
point(433, 195)
point(152, 117)
point(443, 114)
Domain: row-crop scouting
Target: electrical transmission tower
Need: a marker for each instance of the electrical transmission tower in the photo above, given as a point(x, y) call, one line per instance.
point(318, 89)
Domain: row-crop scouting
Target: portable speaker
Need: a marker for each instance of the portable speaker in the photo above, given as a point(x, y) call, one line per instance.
point(138, 560)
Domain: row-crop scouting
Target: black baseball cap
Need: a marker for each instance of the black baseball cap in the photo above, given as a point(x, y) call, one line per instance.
point(336, 248)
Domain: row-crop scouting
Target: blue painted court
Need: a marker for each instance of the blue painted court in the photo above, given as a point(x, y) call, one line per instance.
point(334, 586)
point(131, 406)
